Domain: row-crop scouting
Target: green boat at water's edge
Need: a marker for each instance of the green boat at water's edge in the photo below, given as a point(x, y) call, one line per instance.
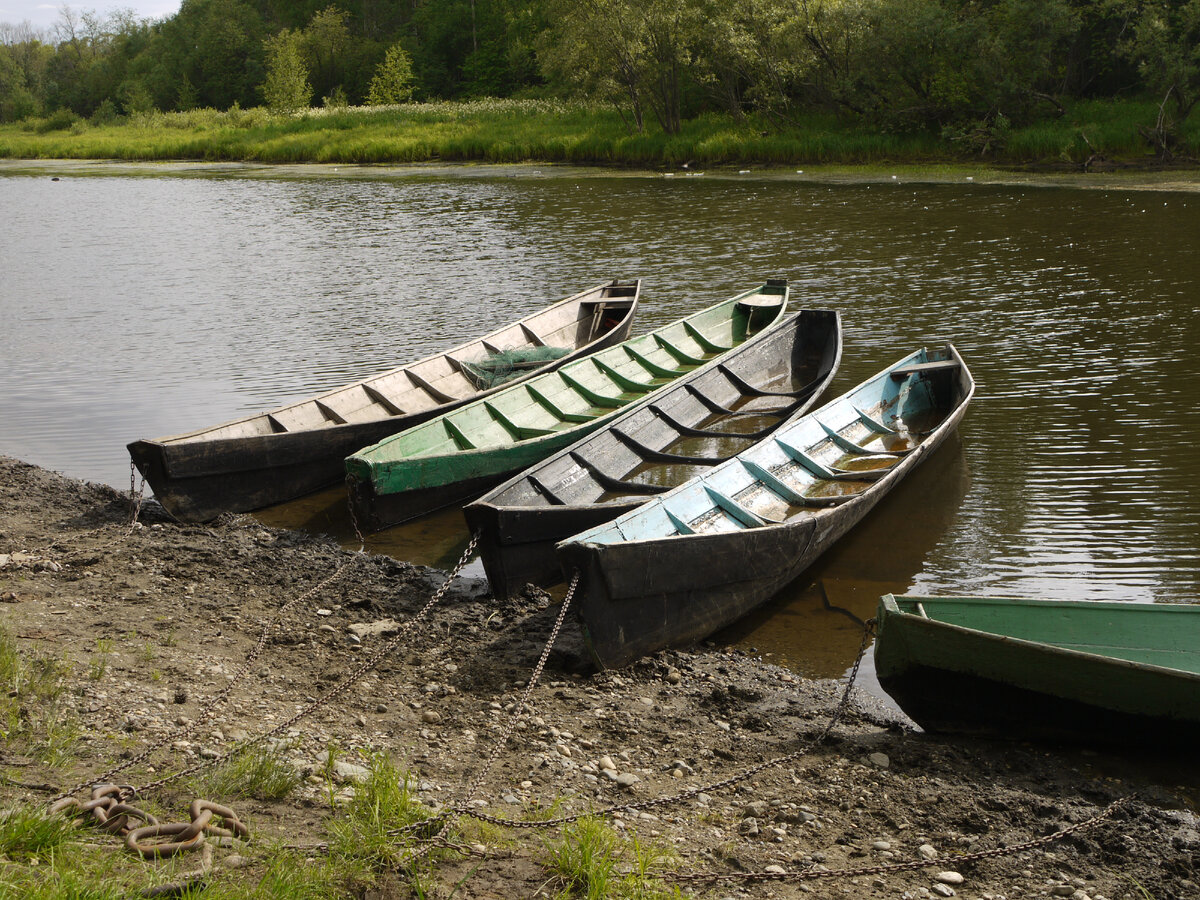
point(1066, 671)
point(461, 454)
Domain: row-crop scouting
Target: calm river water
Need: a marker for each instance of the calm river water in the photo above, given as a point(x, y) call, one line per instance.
point(135, 306)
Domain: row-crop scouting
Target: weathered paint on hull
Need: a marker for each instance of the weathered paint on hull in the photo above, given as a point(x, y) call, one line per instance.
point(517, 545)
point(949, 677)
point(250, 473)
point(653, 594)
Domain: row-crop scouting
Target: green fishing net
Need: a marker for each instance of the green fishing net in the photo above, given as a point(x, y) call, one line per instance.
point(506, 365)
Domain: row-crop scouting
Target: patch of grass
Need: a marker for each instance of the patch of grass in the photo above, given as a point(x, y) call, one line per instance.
point(98, 664)
point(512, 131)
point(257, 772)
point(371, 829)
point(31, 718)
point(593, 861)
point(28, 833)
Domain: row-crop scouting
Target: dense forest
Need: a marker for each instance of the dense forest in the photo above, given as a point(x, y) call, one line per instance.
point(965, 66)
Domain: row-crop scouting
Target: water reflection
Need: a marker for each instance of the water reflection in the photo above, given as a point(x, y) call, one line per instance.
point(815, 625)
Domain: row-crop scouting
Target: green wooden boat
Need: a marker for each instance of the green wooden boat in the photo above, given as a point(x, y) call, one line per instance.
point(461, 454)
point(1065, 671)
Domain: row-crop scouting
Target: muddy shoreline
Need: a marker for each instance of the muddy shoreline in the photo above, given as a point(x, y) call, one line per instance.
point(158, 618)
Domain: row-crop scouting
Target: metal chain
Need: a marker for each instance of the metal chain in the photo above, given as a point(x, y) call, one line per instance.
point(211, 705)
point(807, 747)
point(810, 874)
point(370, 663)
point(448, 817)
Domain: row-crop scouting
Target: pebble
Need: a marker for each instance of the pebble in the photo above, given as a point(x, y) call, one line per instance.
point(235, 862)
point(361, 630)
point(430, 717)
point(943, 890)
point(879, 759)
point(776, 870)
point(605, 762)
point(627, 779)
point(749, 827)
point(324, 612)
point(927, 851)
point(948, 878)
point(1062, 890)
point(345, 771)
point(674, 676)
point(756, 809)
point(610, 774)
point(884, 845)
point(381, 708)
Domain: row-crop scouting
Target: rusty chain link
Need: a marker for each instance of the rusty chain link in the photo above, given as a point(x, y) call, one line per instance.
point(112, 812)
point(807, 747)
point(956, 859)
point(186, 835)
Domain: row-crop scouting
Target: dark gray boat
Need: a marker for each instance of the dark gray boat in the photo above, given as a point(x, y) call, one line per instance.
point(275, 456)
point(706, 417)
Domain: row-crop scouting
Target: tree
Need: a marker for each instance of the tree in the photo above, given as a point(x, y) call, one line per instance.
point(286, 88)
point(1166, 47)
point(393, 81)
point(325, 41)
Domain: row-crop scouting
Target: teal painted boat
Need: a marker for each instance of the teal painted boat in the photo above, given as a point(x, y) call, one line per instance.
point(463, 453)
point(1064, 671)
point(700, 556)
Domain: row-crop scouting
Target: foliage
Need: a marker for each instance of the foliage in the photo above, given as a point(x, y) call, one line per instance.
point(1166, 47)
point(393, 81)
point(286, 88)
point(28, 832)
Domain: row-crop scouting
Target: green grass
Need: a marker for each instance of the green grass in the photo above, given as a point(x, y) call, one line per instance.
point(592, 861)
point(32, 720)
point(511, 131)
point(256, 772)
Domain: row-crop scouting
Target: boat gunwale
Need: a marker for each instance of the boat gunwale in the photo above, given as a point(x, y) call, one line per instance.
point(1052, 650)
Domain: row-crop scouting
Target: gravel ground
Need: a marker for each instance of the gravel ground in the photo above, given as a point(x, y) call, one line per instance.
point(159, 618)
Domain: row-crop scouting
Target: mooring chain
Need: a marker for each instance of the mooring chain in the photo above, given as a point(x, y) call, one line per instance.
point(112, 812)
point(341, 687)
point(448, 817)
point(211, 705)
point(807, 747)
point(887, 868)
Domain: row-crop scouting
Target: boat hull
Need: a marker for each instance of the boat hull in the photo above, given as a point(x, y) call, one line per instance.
point(462, 454)
point(952, 678)
point(197, 478)
point(639, 596)
point(517, 539)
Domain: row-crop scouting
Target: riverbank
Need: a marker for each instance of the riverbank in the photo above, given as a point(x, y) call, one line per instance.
point(142, 626)
point(1090, 136)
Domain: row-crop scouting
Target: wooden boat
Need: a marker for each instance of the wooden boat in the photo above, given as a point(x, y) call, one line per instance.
point(700, 420)
point(696, 558)
point(282, 454)
point(463, 453)
point(1058, 670)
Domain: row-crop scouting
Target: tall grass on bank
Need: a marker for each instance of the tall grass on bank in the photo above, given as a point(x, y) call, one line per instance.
point(511, 131)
